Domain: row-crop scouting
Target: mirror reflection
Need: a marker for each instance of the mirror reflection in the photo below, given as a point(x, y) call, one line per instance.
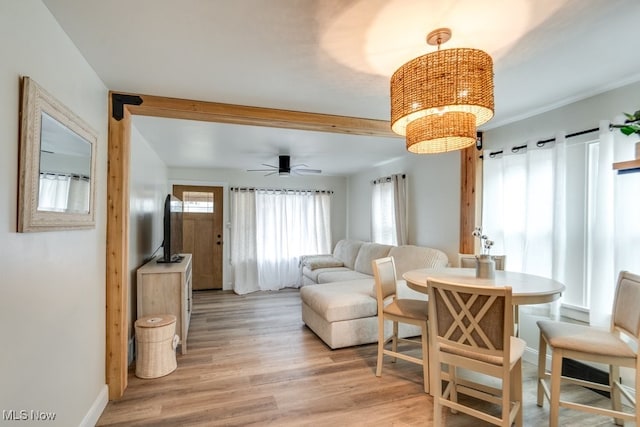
point(65, 168)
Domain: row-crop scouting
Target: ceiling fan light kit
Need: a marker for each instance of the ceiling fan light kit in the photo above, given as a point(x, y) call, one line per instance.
point(439, 99)
point(285, 168)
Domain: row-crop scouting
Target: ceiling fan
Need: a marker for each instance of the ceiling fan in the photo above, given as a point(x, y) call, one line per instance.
point(285, 168)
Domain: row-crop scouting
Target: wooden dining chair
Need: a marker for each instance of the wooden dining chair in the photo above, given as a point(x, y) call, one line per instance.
point(586, 343)
point(398, 310)
point(470, 328)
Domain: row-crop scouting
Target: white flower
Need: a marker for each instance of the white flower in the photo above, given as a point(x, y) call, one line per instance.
point(485, 242)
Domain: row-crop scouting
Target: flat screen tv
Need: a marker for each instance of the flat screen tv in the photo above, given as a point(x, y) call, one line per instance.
point(172, 243)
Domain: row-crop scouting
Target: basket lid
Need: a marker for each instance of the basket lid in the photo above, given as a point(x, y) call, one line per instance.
point(155, 321)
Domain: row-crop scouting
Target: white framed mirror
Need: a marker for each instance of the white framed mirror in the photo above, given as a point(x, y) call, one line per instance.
point(57, 164)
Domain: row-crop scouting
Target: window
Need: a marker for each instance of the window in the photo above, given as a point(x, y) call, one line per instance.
point(389, 211)
point(197, 202)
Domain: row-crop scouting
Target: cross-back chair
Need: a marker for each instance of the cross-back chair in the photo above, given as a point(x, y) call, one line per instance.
point(469, 261)
point(586, 343)
point(470, 328)
point(398, 310)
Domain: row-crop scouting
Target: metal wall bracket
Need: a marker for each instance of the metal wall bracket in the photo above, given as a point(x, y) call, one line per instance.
point(118, 100)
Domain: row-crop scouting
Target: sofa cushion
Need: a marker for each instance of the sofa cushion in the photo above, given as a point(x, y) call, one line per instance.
point(313, 274)
point(341, 300)
point(409, 257)
point(314, 262)
point(367, 253)
point(336, 275)
point(347, 251)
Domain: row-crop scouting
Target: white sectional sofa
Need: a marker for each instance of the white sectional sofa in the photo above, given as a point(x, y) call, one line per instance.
point(338, 295)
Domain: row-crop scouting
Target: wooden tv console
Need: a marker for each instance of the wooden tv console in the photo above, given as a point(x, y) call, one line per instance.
point(166, 289)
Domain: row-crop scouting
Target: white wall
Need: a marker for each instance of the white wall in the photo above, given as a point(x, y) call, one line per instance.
point(52, 285)
point(147, 190)
point(233, 178)
point(434, 200)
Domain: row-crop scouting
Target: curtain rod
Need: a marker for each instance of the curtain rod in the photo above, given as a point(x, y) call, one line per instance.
point(279, 189)
point(542, 142)
point(70, 175)
point(386, 179)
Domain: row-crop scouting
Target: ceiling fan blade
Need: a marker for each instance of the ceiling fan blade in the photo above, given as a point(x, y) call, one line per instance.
point(284, 168)
point(307, 170)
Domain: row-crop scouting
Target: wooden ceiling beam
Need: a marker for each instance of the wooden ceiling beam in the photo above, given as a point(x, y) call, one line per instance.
point(174, 108)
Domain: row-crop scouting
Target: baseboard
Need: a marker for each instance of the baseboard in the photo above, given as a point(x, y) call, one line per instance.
point(531, 356)
point(92, 417)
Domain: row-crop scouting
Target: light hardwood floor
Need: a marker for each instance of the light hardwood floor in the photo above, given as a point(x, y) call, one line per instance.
point(252, 361)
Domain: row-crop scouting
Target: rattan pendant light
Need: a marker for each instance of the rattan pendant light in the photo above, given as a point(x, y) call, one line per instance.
point(438, 99)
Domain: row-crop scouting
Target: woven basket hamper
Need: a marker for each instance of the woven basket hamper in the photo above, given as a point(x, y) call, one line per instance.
point(156, 343)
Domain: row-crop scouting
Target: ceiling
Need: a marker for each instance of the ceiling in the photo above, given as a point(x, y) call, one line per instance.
point(336, 57)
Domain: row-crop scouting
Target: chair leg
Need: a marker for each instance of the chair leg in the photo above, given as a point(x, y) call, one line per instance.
point(381, 340)
point(394, 342)
point(637, 405)
point(425, 357)
point(542, 368)
point(616, 403)
point(437, 395)
point(556, 372)
point(507, 390)
point(453, 384)
point(434, 366)
point(516, 384)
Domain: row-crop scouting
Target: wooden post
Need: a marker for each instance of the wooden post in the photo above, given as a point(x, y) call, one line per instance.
point(117, 253)
point(470, 197)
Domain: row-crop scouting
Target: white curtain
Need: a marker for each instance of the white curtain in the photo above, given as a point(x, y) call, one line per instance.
point(63, 193)
point(389, 210)
point(243, 241)
point(616, 237)
point(400, 208)
point(271, 230)
point(601, 267)
point(78, 194)
point(53, 192)
point(524, 208)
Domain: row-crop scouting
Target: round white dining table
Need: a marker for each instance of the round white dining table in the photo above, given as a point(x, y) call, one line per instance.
point(525, 288)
